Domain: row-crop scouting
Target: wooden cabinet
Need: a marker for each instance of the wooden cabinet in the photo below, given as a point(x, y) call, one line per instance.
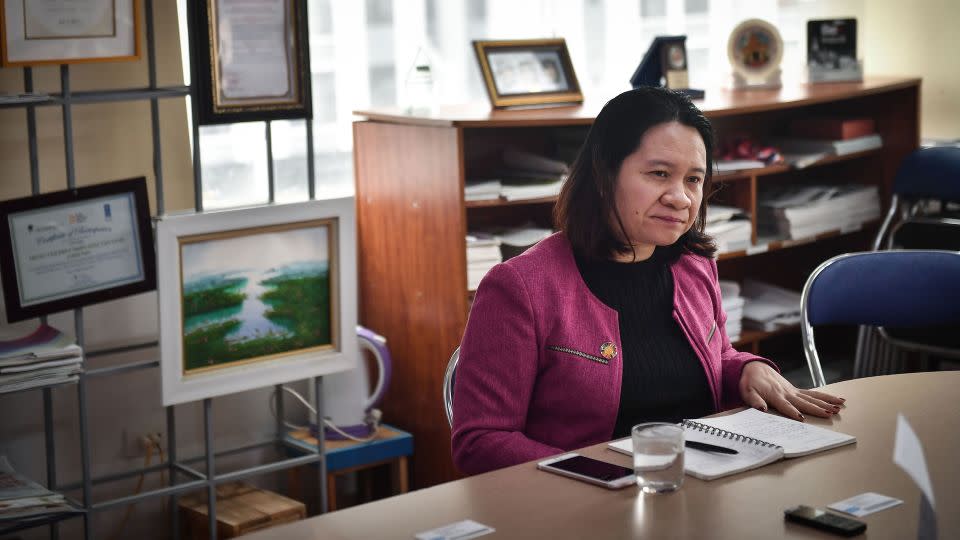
point(412, 218)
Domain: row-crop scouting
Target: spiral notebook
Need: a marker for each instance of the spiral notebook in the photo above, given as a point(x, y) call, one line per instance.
point(758, 437)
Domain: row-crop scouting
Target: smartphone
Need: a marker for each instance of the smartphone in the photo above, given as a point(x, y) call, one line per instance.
point(823, 520)
point(590, 470)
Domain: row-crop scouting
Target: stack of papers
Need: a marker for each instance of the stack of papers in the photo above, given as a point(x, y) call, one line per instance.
point(482, 190)
point(524, 175)
point(40, 357)
point(729, 227)
point(22, 500)
point(483, 253)
point(839, 147)
point(802, 211)
point(732, 304)
point(768, 307)
point(516, 240)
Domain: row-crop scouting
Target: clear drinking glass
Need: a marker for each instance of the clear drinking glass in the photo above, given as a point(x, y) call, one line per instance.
point(658, 456)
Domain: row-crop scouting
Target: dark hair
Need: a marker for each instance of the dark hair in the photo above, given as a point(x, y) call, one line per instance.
point(587, 202)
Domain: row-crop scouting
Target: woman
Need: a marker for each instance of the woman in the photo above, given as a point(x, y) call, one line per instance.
point(616, 319)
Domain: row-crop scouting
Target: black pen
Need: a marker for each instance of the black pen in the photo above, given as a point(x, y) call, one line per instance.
point(710, 447)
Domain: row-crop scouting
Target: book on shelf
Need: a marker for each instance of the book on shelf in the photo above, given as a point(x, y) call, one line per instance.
point(838, 147)
point(732, 304)
point(730, 165)
point(23, 500)
point(483, 253)
point(832, 127)
point(795, 212)
point(729, 227)
point(768, 307)
point(482, 190)
point(759, 438)
point(522, 160)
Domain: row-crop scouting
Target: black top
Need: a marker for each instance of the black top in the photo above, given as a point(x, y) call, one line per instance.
point(663, 380)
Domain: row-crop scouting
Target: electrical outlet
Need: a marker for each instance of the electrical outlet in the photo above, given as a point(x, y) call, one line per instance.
point(134, 444)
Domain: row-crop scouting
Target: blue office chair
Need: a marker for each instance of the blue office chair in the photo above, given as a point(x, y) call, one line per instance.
point(448, 385)
point(899, 288)
point(929, 175)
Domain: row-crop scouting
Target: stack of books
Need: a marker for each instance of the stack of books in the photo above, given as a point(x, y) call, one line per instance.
point(516, 240)
point(482, 190)
point(768, 307)
point(732, 304)
point(814, 138)
point(24, 502)
point(40, 357)
point(803, 211)
point(729, 227)
point(483, 253)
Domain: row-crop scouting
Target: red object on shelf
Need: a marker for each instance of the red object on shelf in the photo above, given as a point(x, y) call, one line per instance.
point(832, 127)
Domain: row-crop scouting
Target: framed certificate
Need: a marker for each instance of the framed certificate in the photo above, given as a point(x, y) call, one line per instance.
point(250, 60)
point(38, 32)
point(73, 248)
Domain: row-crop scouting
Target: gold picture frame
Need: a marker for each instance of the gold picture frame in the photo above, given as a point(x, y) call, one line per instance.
point(51, 32)
point(528, 72)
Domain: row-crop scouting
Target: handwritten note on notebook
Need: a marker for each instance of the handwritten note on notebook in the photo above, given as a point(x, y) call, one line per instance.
point(796, 438)
point(759, 438)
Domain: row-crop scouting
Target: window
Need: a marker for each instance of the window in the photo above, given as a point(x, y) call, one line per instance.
point(361, 52)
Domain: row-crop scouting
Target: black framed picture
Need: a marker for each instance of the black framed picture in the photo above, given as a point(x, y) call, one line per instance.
point(73, 248)
point(250, 60)
point(832, 43)
point(528, 72)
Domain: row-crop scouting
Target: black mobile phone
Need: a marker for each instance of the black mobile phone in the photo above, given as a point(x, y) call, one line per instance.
point(823, 520)
point(590, 470)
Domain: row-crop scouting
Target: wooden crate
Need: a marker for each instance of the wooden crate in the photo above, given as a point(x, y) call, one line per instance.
point(241, 509)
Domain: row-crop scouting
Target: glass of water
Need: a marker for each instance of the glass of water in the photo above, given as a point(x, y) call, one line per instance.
point(658, 456)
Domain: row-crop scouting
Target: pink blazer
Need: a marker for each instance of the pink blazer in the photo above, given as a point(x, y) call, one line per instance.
point(532, 380)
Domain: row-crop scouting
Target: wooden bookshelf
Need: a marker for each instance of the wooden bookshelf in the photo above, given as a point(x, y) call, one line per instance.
point(412, 217)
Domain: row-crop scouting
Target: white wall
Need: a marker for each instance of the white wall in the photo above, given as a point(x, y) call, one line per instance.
point(919, 38)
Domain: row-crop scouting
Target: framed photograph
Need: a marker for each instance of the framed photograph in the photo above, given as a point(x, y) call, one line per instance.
point(256, 297)
point(250, 60)
point(68, 31)
point(68, 249)
point(528, 72)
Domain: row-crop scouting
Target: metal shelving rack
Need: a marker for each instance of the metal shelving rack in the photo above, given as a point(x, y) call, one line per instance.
point(192, 478)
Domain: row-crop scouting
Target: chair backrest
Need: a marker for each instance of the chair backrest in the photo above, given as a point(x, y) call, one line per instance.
point(925, 174)
point(448, 385)
point(898, 288)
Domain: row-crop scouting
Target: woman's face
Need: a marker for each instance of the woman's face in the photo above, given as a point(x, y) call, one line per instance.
point(660, 187)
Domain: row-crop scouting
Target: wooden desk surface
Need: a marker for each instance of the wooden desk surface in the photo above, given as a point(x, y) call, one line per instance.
point(522, 502)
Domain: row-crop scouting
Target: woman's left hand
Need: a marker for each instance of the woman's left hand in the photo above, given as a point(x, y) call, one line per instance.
point(761, 385)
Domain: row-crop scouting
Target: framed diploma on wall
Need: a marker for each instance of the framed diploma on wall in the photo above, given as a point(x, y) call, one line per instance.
point(250, 60)
point(72, 248)
point(68, 31)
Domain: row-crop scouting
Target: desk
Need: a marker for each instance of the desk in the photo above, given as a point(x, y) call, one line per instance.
point(522, 502)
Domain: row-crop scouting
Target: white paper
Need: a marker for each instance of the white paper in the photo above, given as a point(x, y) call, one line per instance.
point(865, 504)
point(461, 530)
point(76, 248)
point(908, 454)
point(253, 49)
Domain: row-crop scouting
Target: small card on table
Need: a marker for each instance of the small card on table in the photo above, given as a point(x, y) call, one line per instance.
point(865, 504)
point(461, 530)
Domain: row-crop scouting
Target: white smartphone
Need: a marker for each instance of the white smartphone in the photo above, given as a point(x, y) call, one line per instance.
point(589, 470)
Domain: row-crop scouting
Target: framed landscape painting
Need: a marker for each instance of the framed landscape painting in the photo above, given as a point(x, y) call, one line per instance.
point(256, 297)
